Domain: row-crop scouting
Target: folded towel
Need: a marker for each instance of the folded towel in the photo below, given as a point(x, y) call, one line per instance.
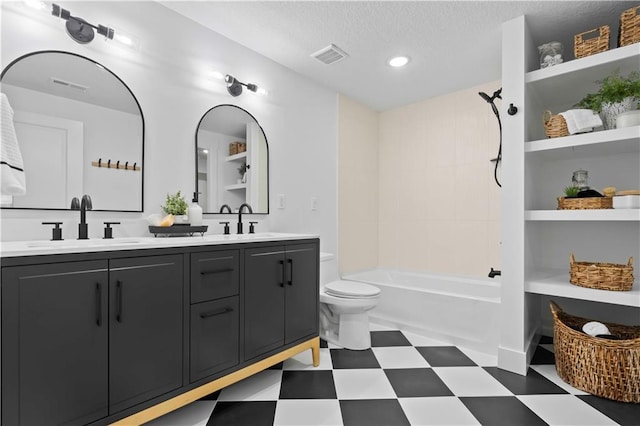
point(12, 180)
point(581, 120)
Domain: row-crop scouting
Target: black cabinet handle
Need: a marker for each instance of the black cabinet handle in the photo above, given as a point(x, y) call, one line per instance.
point(118, 301)
point(216, 312)
point(217, 271)
point(98, 305)
point(281, 273)
point(290, 262)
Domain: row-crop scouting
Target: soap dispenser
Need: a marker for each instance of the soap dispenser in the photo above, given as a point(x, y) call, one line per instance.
point(195, 211)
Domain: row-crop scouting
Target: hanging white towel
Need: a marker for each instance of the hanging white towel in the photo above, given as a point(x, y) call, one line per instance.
point(13, 181)
point(581, 120)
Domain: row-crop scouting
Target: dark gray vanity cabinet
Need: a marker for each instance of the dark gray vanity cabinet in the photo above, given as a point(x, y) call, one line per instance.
point(83, 340)
point(215, 312)
point(280, 296)
point(145, 328)
point(54, 343)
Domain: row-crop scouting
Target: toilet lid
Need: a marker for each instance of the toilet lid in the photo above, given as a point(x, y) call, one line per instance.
point(351, 289)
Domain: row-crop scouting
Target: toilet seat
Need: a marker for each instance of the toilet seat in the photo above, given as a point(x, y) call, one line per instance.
point(351, 290)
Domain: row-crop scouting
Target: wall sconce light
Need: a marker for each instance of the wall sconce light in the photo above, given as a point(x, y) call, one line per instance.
point(79, 29)
point(234, 86)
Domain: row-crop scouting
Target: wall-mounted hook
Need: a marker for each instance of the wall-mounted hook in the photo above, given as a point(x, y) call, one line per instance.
point(513, 110)
point(99, 162)
point(109, 163)
point(118, 164)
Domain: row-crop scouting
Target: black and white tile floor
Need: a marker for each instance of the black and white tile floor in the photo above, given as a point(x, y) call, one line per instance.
point(404, 379)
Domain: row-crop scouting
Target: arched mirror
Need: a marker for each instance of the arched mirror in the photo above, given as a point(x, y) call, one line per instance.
point(80, 130)
point(232, 160)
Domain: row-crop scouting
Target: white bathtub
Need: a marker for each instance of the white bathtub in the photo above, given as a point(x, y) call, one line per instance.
point(460, 311)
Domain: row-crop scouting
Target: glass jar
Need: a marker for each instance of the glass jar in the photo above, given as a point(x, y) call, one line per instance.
point(550, 54)
point(580, 179)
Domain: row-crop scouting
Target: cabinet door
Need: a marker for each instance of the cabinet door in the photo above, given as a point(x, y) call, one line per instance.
point(214, 275)
point(214, 337)
point(263, 300)
point(302, 292)
point(54, 343)
point(145, 340)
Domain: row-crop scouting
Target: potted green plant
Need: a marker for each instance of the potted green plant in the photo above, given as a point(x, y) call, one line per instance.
point(571, 191)
point(616, 95)
point(176, 205)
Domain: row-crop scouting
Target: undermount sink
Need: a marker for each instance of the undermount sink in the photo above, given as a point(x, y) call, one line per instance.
point(81, 243)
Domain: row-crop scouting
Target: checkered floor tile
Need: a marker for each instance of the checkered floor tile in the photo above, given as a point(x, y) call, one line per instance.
point(404, 379)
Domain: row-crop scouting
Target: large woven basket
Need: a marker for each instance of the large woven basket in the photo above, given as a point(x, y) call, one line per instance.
point(585, 203)
point(591, 42)
point(629, 27)
point(555, 126)
point(601, 276)
point(602, 367)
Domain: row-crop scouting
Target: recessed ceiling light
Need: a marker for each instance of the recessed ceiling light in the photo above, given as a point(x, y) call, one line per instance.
point(398, 61)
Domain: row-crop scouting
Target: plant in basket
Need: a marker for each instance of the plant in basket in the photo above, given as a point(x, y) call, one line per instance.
point(616, 95)
point(571, 191)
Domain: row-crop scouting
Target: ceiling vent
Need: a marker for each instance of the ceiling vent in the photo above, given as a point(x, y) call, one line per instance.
point(330, 54)
point(68, 84)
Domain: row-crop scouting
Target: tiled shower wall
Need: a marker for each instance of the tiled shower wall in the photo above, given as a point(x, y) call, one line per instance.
point(438, 204)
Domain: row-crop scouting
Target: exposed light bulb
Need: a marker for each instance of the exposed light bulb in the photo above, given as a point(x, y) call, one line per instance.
point(36, 5)
point(262, 91)
point(398, 61)
point(217, 75)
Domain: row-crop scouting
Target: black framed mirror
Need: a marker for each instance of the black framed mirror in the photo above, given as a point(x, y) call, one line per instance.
point(232, 160)
point(80, 130)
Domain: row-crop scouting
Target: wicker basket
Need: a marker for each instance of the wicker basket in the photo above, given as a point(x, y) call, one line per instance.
point(555, 126)
point(585, 45)
point(585, 203)
point(602, 367)
point(601, 276)
point(629, 27)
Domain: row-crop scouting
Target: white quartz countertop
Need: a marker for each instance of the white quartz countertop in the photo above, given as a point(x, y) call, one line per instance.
point(44, 247)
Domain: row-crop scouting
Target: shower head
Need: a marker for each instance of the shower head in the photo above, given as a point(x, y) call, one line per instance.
point(485, 97)
point(491, 98)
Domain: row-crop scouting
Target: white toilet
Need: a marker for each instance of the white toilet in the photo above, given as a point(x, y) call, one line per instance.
point(344, 304)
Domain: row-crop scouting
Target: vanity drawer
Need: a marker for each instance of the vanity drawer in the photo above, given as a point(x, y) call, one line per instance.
point(214, 275)
point(215, 337)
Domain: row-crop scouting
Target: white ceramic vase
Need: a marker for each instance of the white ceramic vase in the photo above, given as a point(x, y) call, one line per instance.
point(611, 110)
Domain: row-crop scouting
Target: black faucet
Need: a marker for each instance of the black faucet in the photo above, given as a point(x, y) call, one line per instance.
point(242, 206)
point(225, 206)
point(494, 272)
point(83, 228)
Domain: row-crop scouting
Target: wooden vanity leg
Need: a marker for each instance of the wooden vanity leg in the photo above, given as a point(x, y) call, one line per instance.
point(315, 352)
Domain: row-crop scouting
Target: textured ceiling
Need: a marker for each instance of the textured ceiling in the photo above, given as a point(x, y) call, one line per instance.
point(452, 44)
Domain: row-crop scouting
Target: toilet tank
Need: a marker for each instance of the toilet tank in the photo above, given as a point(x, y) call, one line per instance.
point(328, 268)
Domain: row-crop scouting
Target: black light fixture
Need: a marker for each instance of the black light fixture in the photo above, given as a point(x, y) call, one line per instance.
point(234, 86)
point(79, 29)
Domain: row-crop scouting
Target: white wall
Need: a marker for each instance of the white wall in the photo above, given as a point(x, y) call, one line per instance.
point(170, 76)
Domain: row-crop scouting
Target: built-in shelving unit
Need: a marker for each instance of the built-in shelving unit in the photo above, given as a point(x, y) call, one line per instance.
point(556, 283)
point(610, 215)
point(537, 239)
point(236, 157)
point(236, 187)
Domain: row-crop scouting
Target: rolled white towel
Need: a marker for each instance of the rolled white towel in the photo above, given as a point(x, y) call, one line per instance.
point(595, 328)
point(581, 120)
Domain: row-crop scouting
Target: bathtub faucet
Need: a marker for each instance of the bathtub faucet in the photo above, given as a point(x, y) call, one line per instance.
point(493, 273)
